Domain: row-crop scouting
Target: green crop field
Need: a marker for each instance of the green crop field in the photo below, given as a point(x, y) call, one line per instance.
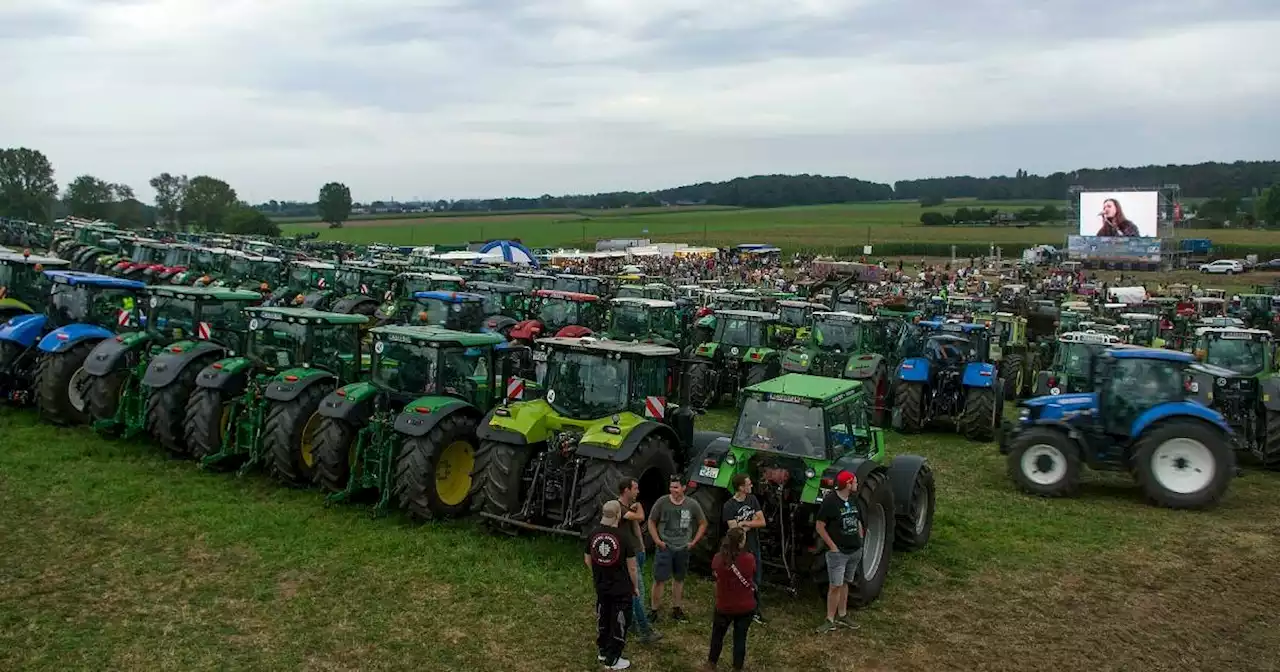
point(819, 228)
point(118, 558)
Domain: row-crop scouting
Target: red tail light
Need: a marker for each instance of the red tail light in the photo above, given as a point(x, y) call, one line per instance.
point(709, 462)
point(422, 409)
point(177, 349)
point(342, 393)
point(1053, 382)
point(217, 366)
point(827, 483)
point(291, 379)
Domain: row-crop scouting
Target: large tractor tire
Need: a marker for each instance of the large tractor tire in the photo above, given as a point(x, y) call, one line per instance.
point(498, 476)
point(167, 408)
point(908, 407)
point(913, 527)
point(334, 451)
point(1045, 462)
point(208, 420)
point(712, 500)
point(978, 420)
point(703, 392)
point(1011, 378)
point(1184, 464)
point(652, 465)
point(105, 392)
point(290, 433)
point(875, 498)
point(877, 389)
point(62, 386)
point(757, 373)
point(1270, 457)
point(433, 476)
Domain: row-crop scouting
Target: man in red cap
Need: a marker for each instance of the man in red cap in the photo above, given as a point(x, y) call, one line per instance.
point(840, 527)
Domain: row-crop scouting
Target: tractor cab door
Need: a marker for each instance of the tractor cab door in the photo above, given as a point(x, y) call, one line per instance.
point(1130, 386)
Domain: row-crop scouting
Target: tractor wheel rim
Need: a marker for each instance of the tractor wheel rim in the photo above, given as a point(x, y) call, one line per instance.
point(224, 422)
point(1044, 464)
point(76, 388)
point(920, 506)
point(1183, 465)
point(453, 472)
point(873, 544)
point(308, 440)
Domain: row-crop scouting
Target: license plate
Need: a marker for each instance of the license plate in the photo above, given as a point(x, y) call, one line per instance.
point(540, 356)
point(709, 472)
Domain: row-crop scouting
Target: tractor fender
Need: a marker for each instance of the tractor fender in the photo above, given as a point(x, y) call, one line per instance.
point(629, 444)
point(228, 374)
point(348, 304)
point(759, 355)
point(913, 370)
point(902, 478)
point(12, 305)
point(168, 365)
point(862, 367)
point(23, 329)
point(109, 355)
point(412, 423)
point(858, 466)
point(1202, 387)
point(352, 403)
point(573, 331)
point(1173, 409)
point(64, 338)
point(280, 389)
point(707, 446)
point(1271, 393)
point(498, 324)
point(526, 330)
point(707, 350)
point(979, 374)
point(796, 361)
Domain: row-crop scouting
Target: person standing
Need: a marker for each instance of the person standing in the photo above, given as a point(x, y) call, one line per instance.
point(732, 567)
point(671, 524)
point(743, 511)
point(840, 527)
point(632, 519)
point(612, 560)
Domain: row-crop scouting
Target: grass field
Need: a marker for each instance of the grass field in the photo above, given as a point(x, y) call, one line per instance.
point(116, 558)
point(809, 227)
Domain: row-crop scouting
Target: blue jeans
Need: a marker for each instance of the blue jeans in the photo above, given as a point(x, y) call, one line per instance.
point(640, 618)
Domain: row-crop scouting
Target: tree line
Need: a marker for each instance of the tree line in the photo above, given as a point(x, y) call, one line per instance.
point(1202, 180)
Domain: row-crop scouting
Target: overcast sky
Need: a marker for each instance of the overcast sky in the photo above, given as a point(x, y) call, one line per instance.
point(479, 98)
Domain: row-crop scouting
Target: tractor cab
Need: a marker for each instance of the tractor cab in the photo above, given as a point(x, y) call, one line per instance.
point(501, 298)
point(579, 284)
point(735, 301)
point(1071, 370)
point(795, 319)
point(835, 335)
point(283, 338)
point(652, 290)
point(89, 298)
point(1247, 352)
point(1258, 310)
point(309, 284)
point(648, 320)
point(352, 279)
point(1209, 306)
point(554, 310)
point(456, 311)
point(412, 282)
point(1144, 329)
point(23, 285)
point(411, 361)
point(744, 329)
point(252, 272)
point(531, 282)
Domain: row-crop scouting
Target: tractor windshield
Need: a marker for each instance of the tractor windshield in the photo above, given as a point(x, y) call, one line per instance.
point(278, 344)
point(1076, 359)
point(630, 292)
point(555, 313)
point(145, 254)
point(406, 367)
point(177, 256)
point(583, 386)
point(793, 315)
point(433, 312)
point(794, 429)
point(949, 350)
point(300, 277)
point(239, 268)
point(1246, 357)
point(579, 285)
point(265, 270)
point(844, 336)
point(412, 285)
point(740, 332)
point(173, 316)
point(630, 319)
point(94, 305)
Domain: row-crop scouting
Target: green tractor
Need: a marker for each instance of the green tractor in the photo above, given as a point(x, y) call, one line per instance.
point(261, 408)
point(795, 433)
point(398, 303)
point(652, 290)
point(795, 320)
point(1071, 367)
point(1258, 310)
point(1144, 329)
point(851, 346)
point(24, 288)
point(648, 320)
point(1017, 362)
point(178, 324)
point(740, 353)
point(408, 432)
point(1249, 400)
point(549, 464)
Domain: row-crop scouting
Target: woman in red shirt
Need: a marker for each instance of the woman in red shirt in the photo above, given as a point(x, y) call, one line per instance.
point(733, 568)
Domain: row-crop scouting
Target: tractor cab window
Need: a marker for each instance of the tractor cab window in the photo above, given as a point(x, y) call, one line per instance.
point(582, 385)
point(433, 312)
point(667, 321)
point(225, 314)
point(740, 332)
point(173, 316)
point(840, 423)
point(6, 274)
point(276, 343)
point(794, 429)
point(412, 285)
point(265, 270)
point(239, 267)
point(630, 291)
point(1076, 359)
point(405, 367)
point(843, 336)
point(651, 378)
point(300, 276)
point(348, 280)
point(555, 313)
point(70, 304)
point(630, 319)
point(335, 347)
point(492, 303)
point(793, 315)
point(948, 350)
point(1138, 384)
point(1246, 357)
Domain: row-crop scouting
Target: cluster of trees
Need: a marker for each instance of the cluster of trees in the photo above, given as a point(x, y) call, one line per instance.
point(972, 216)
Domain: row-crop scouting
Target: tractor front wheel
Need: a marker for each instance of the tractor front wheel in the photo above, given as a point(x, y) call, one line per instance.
point(914, 526)
point(651, 465)
point(1045, 462)
point(497, 477)
point(908, 407)
point(62, 384)
point(334, 452)
point(703, 390)
point(712, 500)
point(208, 420)
point(290, 433)
point(875, 498)
point(1184, 464)
point(434, 472)
point(1011, 376)
point(978, 419)
point(1270, 453)
point(878, 386)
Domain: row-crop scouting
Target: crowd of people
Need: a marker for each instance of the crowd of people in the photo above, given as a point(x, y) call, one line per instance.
point(676, 525)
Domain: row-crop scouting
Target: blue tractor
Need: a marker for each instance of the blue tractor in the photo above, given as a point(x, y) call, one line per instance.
point(1143, 417)
point(45, 352)
point(946, 372)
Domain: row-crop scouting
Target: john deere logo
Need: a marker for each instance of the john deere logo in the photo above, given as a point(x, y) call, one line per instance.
point(551, 396)
point(379, 347)
point(254, 324)
point(733, 351)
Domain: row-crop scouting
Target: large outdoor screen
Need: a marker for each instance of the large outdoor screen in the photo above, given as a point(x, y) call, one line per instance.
point(1119, 214)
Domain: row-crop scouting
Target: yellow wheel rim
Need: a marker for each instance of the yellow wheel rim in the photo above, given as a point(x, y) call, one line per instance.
point(224, 423)
point(453, 472)
point(308, 440)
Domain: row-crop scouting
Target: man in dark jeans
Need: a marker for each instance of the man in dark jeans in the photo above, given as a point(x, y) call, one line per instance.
point(743, 511)
point(612, 560)
point(631, 526)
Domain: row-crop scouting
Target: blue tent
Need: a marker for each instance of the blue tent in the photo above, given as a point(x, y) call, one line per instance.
point(508, 251)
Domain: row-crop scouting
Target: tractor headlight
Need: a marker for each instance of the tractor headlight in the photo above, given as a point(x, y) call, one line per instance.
point(730, 460)
point(1024, 415)
point(809, 473)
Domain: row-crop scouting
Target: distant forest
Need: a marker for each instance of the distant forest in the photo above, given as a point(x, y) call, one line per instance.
point(1241, 179)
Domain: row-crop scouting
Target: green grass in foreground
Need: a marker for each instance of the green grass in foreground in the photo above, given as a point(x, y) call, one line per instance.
point(117, 558)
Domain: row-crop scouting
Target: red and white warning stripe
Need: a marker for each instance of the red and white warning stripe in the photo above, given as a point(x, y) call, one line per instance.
point(364, 289)
point(320, 284)
point(122, 318)
point(655, 407)
point(203, 330)
point(515, 388)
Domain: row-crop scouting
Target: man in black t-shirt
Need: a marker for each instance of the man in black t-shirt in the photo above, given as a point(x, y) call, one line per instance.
point(611, 556)
point(743, 510)
point(839, 526)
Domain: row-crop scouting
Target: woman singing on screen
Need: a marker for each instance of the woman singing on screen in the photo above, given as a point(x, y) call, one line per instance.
point(1114, 223)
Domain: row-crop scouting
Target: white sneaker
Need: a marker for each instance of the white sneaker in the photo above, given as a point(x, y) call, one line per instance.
point(600, 657)
point(622, 664)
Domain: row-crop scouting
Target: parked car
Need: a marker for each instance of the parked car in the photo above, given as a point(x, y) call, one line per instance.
point(1228, 266)
point(1273, 265)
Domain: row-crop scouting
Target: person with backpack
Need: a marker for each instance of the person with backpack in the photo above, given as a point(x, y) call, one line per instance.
point(733, 568)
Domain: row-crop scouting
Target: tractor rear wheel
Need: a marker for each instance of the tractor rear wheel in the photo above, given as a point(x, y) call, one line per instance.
point(908, 406)
point(1270, 457)
point(1184, 464)
point(433, 476)
point(498, 476)
point(913, 528)
point(978, 419)
point(208, 420)
point(290, 433)
point(334, 452)
point(61, 386)
point(877, 387)
point(702, 385)
point(875, 498)
point(712, 500)
point(1011, 376)
point(757, 373)
point(167, 408)
point(1045, 462)
point(652, 464)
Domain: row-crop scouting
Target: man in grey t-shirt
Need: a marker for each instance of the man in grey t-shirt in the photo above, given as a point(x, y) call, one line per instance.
point(676, 524)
